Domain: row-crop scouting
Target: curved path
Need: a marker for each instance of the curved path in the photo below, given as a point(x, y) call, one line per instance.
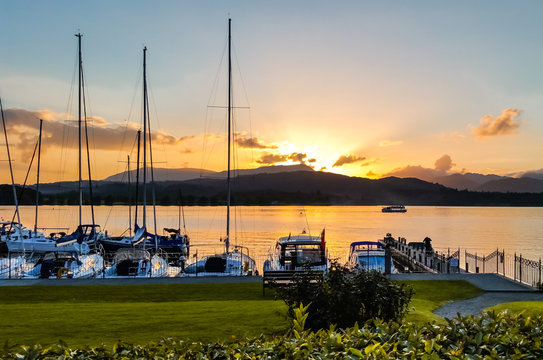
point(476, 305)
point(498, 289)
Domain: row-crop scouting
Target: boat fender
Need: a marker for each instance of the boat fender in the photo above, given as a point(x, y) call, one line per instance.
point(61, 271)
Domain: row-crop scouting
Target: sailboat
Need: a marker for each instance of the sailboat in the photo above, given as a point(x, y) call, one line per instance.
point(68, 255)
point(234, 262)
point(136, 261)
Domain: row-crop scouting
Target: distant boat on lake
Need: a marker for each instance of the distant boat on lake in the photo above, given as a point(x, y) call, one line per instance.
point(394, 209)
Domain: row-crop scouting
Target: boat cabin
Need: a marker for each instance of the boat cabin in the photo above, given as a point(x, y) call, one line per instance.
point(368, 255)
point(300, 253)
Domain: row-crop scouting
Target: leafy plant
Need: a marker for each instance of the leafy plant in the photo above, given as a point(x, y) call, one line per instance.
point(489, 336)
point(344, 297)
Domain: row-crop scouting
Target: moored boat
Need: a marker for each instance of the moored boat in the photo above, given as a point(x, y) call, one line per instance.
point(298, 252)
point(368, 255)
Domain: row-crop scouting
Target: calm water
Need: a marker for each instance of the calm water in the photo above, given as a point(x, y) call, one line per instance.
point(480, 229)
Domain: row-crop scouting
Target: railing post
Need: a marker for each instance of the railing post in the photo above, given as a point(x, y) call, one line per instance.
point(520, 268)
point(484, 261)
point(539, 282)
point(515, 268)
point(476, 267)
point(497, 260)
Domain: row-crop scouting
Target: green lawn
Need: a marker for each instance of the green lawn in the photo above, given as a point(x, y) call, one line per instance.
point(530, 308)
point(432, 294)
point(91, 315)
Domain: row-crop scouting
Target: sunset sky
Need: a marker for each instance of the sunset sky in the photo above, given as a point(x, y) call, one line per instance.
point(359, 88)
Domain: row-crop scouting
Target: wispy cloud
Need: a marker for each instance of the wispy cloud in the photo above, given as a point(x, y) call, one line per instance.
point(348, 159)
point(503, 124)
point(385, 143)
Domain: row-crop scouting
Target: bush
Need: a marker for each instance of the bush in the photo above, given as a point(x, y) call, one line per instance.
point(490, 336)
point(344, 297)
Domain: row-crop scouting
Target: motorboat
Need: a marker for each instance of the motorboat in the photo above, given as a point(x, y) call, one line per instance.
point(394, 209)
point(298, 252)
point(136, 262)
point(18, 243)
point(368, 255)
point(66, 265)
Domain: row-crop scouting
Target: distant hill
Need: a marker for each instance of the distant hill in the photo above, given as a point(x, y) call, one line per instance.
point(520, 185)
point(162, 174)
point(467, 181)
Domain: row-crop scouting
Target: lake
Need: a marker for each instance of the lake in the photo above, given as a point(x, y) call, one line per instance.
point(477, 229)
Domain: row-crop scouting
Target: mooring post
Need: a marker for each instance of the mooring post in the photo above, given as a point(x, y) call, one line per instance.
point(520, 268)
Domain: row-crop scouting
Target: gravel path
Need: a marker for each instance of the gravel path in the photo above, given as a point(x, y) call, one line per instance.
point(476, 305)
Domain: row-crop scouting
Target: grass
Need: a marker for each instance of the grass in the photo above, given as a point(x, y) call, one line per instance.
point(431, 294)
point(530, 308)
point(91, 315)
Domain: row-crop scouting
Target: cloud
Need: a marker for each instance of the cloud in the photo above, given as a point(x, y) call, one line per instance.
point(295, 156)
point(384, 143)
point(444, 163)
point(348, 159)
point(251, 142)
point(58, 132)
point(270, 159)
point(312, 160)
point(369, 162)
point(503, 124)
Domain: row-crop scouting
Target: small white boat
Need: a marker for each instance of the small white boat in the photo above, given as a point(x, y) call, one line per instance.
point(18, 243)
point(136, 262)
point(66, 265)
point(298, 252)
point(234, 263)
point(394, 209)
point(367, 255)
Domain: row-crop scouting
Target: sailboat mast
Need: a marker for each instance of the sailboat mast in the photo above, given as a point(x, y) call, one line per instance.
point(38, 181)
point(229, 130)
point(10, 167)
point(129, 197)
point(80, 188)
point(144, 138)
point(137, 179)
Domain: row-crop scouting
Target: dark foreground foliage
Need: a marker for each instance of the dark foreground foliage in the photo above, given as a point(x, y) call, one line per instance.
point(490, 336)
point(343, 297)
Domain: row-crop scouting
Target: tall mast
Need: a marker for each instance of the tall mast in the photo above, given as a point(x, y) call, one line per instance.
point(137, 179)
point(10, 167)
point(80, 188)
point(38, 181)
point(227, 241)
point(129, 198)
point(144, 138)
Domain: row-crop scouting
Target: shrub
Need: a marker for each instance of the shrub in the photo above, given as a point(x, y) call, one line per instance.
point(490, 336)
point(344, 297)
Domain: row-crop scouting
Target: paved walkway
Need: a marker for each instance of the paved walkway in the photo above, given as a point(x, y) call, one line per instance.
point(477, 304)
point(498, 290)
point(486, 282)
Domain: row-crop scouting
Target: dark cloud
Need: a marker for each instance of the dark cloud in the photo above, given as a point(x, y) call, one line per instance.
point(348, 159)
point(503, 124)
point(251, 142)
point(312, 160)
point(444, 163)
point(297, 157)
point(59, 131)
point(270, 159)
